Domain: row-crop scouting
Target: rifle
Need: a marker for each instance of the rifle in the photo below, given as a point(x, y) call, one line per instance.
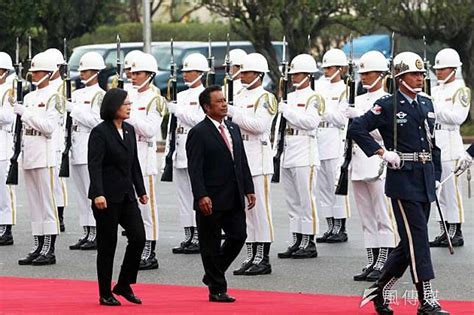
point(228, 80)
point(390, 82)
point(281, 128)
point(167, 175)
point(343, 182)
point(64, 169)
point(29, 78)
point(119, 64)
point(12, 178)
point(427, 81)
point(311, 75)
point(211, 74)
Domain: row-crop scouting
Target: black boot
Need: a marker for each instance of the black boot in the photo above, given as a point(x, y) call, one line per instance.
point(378, 292)
point(379, 264)
point(38, 245)
point(6, 237)
point(46, 256)
point(440, 238)
point(295, 244)
point(149, 260)
point(188, 236)
point(82, 240)
point(62, 227)
point(307, 248)
point(91, 241)
point(193, 246)
point(261, 262)
point(372, 254)
point(326, 234)
point(338, 234)
point(251, 250)
point(455, 233)
point(428, 303)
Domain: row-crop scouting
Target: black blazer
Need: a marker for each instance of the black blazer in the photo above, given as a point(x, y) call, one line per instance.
point(212, 170)
point(114, 169)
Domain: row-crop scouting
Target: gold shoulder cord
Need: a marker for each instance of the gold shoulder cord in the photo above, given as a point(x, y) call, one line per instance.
point(9, 95)
point(59, 103)
point(159, 103)
point(114, 82)
point(270, 105)
point(155, 89)
point(318, 102)
point(344, 94)
point(464, 96)
point(97, 99)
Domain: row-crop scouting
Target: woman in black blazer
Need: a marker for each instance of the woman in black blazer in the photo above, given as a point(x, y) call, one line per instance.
point(116, 179)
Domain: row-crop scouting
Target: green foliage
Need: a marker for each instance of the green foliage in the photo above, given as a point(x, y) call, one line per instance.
point(467, 129)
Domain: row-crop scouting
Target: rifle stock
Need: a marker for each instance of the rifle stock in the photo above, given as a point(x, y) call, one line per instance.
point(12, 177)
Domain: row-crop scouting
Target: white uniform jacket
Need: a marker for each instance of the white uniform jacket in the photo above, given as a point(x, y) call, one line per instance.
point(7, 118)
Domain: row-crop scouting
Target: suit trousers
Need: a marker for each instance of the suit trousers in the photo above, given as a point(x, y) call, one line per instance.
point(150, 211)
point(450, 198)
point(7, 197)
point(80, 177)
point(217, 258)
point(185, 197)
point(413, 249)
point(127, 214)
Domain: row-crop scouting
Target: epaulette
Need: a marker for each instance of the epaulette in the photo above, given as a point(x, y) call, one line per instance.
point(463, 95)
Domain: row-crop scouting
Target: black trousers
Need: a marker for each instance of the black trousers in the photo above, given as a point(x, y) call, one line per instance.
point(217, 258)
point(413, 249)
point(127, 214)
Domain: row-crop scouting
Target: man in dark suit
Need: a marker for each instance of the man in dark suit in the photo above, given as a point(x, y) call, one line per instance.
point(220, 178)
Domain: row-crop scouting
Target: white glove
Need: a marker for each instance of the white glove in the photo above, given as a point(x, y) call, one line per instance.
point(70, 106)
point(19, 109)
point(392, 158)
point(172, 107)
point(283, 107)
point(464, 162)
point(230, 110)
point(351, 112)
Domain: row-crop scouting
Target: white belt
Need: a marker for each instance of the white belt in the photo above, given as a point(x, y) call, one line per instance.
point(145, 140)
point(325, 124)
point(297, 132)
point(247, 137)
point(79, 128)
point(181, 131)
point(439, 126)
point(32, 132)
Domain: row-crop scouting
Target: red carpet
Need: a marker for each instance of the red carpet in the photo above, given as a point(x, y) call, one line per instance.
point(58, 296)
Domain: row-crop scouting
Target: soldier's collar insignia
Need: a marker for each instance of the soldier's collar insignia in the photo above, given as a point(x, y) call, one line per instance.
point(401, 115)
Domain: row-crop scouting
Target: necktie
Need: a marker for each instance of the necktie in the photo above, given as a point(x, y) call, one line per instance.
point(221, 129)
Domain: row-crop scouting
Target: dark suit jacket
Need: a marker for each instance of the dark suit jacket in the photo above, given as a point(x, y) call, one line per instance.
point(212, 170)
point(114, 168)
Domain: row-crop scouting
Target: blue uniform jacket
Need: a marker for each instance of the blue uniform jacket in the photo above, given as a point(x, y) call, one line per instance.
point(414, 181)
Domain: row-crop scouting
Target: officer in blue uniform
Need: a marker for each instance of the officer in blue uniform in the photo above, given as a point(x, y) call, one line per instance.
point(414, 171)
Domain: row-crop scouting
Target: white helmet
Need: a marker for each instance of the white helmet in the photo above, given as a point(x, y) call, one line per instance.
point(447, 58)
point(91, 61)
point(145, 62)
point(195, 62)
point(237, 56)
point(406, 62)
point(43, 62)
point(373, 61)
point(130, 57)
point(255, 62)
point(334, 57)
point(5, 61)
point(56, 55)
point(303, 63)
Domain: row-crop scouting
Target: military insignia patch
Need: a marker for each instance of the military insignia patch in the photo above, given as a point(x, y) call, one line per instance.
point(401, 115)
point(419, 64)
point(464, 96)
point(376, 109)
point(361, 66)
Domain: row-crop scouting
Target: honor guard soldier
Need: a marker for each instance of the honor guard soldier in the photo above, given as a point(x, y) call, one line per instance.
point(57, 83)
point(253, 111)
point(42, 110)
point(415, 166)
point(237, 57)
point(85, 112)
point(452, 100)
point(300, 158)
point(368, 174)
point(330, 143)
point(7, 118)
point(148, 109)
point(188, 113)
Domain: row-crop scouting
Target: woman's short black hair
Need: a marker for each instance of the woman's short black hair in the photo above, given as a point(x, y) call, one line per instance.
point(112, 101)
point(205, 96)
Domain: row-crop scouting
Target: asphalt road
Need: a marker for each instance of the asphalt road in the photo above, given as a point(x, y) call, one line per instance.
point(330, 273)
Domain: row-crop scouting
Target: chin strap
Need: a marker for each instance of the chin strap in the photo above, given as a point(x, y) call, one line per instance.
point(85, 82)
point(36, 83)
point(249, 85)
point(368, 87)
point(190, 84)
point(443, 82)
point(413, 90)
point(334, 75)
point(297, 85)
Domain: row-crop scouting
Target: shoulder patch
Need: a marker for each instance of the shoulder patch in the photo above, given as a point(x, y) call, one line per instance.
point(376, 109)
point(463, 96)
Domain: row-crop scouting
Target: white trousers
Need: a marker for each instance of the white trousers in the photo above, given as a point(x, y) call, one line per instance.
point(299, 184)
point(329, 204)
point(7, 197)
point(150, 211)
point(60, 188)
point(259, 219)
point(39, 184)
point(450, 198)
point(80, 177)
point(375, 213)
point(185, 197)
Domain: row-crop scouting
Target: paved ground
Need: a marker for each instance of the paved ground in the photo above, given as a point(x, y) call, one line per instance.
point(330, 273)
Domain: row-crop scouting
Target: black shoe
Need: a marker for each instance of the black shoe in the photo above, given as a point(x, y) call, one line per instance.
point(28, 260)
point(363, 275)
point(337, 238)
point(262, 268)
point(374, 275)
point(78, 244)
point(457, 240)
point(376, 296)
point(42, 260)
point(6, 239)
point(127, 294)
point(303, 253)
point(179, 249)
point(148, 264)
point(289, 251)
point(428, 309)
point(109, 301)
point(242, 269)
point(428, 304)
point(323, 238)
point(221, 297)
point(89, 245)
point(438, 241)
point(192, 248)
point(205, 280)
